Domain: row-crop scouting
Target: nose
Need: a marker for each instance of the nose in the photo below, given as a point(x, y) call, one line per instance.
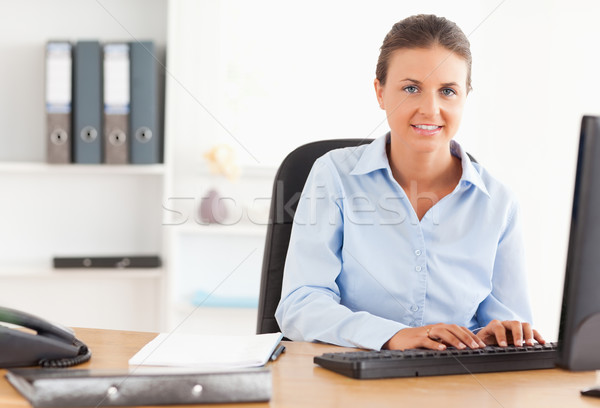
point(430, 104)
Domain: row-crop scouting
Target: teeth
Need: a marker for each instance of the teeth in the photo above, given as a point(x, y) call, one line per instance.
point(427, 127)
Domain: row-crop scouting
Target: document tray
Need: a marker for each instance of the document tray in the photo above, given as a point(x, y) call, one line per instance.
point(100, 388)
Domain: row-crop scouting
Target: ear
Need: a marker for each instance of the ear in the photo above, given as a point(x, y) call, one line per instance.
point(379, 93)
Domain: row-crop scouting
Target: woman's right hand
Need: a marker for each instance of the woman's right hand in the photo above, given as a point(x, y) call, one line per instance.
point(434, 337)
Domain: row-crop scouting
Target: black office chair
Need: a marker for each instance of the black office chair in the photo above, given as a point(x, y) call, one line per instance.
point(287, 187)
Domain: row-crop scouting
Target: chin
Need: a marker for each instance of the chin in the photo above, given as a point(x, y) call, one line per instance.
point(429, 146)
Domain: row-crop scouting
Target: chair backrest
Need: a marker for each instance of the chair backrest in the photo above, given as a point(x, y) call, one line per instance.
point(287, 187)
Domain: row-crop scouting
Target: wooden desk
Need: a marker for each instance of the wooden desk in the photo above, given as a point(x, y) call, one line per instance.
point(297, 382)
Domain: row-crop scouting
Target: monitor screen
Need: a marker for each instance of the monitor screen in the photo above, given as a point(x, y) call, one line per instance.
point(580, 316)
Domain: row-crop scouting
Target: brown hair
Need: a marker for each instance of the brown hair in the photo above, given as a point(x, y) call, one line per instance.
point(423, 31)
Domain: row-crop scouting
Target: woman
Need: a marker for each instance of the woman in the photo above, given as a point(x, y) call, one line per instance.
point(405, 242)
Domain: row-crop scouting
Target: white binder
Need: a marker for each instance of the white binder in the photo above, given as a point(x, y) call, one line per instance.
point(59, 80)
point(116, 103)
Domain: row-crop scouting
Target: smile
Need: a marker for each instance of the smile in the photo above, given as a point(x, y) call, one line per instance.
point(427, 127)
point(427, 130)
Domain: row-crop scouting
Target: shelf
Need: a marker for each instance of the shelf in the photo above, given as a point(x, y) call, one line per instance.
point(33, 168)
point(41, 272)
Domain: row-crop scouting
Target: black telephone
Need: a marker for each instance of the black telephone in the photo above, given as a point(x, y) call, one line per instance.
point(52, 346)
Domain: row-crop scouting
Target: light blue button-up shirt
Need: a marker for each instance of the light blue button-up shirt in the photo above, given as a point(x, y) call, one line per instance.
point(361, 266)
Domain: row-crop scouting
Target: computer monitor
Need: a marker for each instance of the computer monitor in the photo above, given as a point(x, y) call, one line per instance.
point(579, 331)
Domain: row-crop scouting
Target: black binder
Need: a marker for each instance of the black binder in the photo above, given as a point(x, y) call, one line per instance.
point(94, 388)
point(144, 134)
point(87, 103)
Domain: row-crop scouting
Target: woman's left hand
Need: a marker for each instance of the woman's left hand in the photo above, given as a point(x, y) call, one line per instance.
point(507, 332)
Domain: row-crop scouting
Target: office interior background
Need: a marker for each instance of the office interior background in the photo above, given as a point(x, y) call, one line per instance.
point(263, 77)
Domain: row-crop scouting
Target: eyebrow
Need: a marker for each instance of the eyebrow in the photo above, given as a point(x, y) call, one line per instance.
point(416, 81)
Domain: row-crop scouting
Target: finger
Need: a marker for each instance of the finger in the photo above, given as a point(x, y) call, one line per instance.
point(538, 337)
point(487, 336)
point(516, 330)
point(433, 345)
point(451, 335)
point(499, 333)
point(477, 339)
point(527, 334)
point(467, 337)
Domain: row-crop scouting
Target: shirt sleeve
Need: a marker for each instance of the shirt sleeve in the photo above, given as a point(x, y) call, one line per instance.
point(509, 298)
point(310, 309)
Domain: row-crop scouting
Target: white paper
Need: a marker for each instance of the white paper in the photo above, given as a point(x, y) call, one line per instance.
point(195, 350)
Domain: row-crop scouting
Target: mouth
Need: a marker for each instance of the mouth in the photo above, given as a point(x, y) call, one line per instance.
point(427, 129)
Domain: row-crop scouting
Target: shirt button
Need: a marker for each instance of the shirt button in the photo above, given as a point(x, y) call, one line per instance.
point(414, 308)
point(418, 252)
point(418, 269)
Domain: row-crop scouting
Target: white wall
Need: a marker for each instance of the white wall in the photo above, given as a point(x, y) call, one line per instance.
point(276, 75)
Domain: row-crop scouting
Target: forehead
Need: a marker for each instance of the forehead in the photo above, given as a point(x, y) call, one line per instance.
point(437, 65)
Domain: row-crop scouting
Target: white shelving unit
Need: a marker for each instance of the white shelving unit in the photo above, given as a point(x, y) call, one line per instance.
point(104, 210)
point(77, 210)
point(213, 270)
point(214, 276)
point(74, 210)
point(36, 168)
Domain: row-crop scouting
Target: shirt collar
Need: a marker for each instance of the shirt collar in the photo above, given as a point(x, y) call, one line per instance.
point(470, 173)
point(374, 157)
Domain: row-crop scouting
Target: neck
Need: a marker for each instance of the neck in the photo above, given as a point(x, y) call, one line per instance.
point(424, 171)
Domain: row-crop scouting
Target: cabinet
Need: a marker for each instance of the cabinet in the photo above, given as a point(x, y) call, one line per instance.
point(74, 210)
point(214, 269)
point(81, 210)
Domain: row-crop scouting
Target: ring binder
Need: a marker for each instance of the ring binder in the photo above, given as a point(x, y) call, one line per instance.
point(87, 98)
point(116, 103)
point(59, 63)
point(93, 388)
point(145, 145)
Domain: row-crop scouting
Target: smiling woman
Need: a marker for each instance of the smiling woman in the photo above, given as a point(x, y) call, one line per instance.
point(407, 274)
point(424, 94)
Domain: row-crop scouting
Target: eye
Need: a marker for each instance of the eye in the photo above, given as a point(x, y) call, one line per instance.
point(448, 92)
point(411, 89)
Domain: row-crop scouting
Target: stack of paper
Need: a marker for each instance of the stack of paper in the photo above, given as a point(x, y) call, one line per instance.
point(190, 350)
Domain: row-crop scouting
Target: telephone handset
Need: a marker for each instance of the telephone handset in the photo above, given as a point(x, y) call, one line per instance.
point(52, 346)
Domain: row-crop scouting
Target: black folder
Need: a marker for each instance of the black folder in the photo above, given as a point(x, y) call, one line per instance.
point(144, 134)
point(99, 388)
point(87, 103)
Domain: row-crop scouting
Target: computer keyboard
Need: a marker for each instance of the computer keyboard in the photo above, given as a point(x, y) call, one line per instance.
point(421, 362)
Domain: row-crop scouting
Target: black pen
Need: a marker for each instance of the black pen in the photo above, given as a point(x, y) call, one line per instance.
point(277, 352)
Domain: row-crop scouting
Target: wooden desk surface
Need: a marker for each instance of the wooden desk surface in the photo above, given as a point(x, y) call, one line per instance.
point(297, 382)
